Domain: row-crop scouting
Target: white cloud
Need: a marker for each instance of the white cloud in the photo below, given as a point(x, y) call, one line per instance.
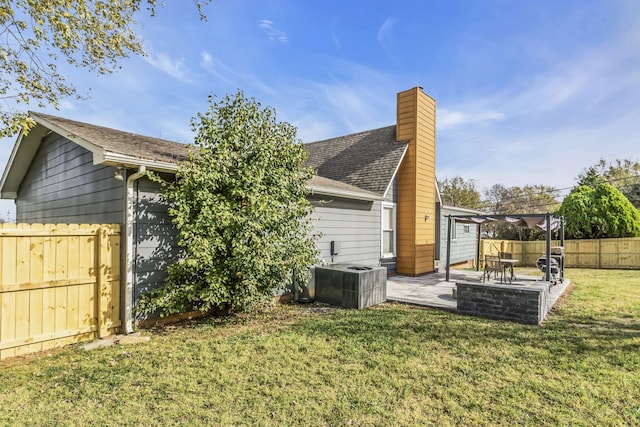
point(547, 127)
point(175, 68)
point(274, 34)
point(334, 37)
point(450, 119)
point(384, 36)
point(357, 98)
point(65, 104)
point(216, 67)
point(231, 77)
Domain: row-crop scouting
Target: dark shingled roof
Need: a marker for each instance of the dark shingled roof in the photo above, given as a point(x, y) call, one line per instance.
point(117, 141)
point(361, 163)
point(367, 160)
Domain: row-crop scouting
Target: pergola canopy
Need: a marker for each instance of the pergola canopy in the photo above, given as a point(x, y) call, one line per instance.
point(532, 221)
point(545, 222)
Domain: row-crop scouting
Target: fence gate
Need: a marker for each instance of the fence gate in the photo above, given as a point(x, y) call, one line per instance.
point(59, 284)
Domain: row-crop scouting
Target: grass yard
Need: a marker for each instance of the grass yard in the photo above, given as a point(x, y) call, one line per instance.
point(388, 365)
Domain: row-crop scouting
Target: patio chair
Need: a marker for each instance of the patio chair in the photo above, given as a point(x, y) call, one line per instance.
point(492, 264)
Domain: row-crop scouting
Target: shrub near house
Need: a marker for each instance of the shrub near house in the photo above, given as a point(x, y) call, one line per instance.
point(239, 203)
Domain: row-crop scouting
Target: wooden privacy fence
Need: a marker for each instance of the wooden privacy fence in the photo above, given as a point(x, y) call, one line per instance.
point(59, 284)
point(597, 253)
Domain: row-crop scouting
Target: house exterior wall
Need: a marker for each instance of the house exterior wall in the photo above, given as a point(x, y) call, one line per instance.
point(392, 193)
point(63, 185)
point(463, 247)
point(354, 225)
point(155, 238)
point(416, 217)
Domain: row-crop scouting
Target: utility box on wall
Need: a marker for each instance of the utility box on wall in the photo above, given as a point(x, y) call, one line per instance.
point(351, 285)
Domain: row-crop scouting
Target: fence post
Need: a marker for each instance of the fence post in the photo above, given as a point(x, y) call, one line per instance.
point(102, 279)
point(599, 253)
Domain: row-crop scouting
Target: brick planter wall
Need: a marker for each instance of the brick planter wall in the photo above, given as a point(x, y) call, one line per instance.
point(520, 303)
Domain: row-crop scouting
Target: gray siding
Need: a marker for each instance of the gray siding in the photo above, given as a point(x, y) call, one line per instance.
point(63, 185)
point(463, 247)
point(355, 225)
point(154, 236)
point(392, 193)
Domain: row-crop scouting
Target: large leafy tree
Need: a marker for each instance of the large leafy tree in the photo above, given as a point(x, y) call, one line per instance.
point(458, 192)
point(622, 174)
point(239, 204)
point(599, 211)
point(36, 35)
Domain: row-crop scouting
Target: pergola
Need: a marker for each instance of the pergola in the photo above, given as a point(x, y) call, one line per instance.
point(545, 222)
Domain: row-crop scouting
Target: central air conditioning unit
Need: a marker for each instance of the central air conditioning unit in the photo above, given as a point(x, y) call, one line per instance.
point(351, 285)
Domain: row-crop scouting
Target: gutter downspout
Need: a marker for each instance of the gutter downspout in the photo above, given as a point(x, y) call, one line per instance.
point(446, 277)
point(129, 221)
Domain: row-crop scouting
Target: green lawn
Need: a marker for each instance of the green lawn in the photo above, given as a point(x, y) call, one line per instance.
point(388, 365)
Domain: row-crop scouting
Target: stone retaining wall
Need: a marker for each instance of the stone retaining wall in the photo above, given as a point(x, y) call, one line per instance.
point(520, 303)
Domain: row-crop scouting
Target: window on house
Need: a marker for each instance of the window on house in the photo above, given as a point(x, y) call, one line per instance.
point(454, 229)
point(388, 231)
point(466, 229)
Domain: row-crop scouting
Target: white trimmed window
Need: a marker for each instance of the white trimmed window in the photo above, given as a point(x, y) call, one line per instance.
point(454, 229)
point(388, 230)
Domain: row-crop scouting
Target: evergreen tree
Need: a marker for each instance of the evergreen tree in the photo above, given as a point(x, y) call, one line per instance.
point(599, 211)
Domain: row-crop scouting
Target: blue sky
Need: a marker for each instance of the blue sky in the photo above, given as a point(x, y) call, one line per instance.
point(527, 92)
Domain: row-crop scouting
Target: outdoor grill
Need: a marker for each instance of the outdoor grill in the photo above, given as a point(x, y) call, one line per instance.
point(556, 264)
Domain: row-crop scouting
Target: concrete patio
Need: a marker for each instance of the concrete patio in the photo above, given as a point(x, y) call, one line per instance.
point(432, 290)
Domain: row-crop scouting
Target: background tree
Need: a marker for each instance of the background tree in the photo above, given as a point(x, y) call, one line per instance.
point(599, 211)
point(239, 204)
point(622, 174)
point(529, 199)
point(633, 194)
point(91, 34)
point(458, 192)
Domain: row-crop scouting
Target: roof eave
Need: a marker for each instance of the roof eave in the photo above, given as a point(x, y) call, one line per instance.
point(95, 149)
point(395, 172)
point(461, 209)
point(118, 159)
point(25, 149)
point(369, 197)
point(21, 156)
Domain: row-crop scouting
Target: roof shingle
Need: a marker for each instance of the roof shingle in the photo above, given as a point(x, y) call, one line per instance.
point(117, 141)
point(361, 161)
point(367, 159)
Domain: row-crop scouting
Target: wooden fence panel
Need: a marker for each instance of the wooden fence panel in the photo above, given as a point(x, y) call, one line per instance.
point(582, 253)
point(59, 284)
point(599, 253)
point(620, 253)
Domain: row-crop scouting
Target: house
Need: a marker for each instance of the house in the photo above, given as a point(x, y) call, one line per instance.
point(397, 164)
point(375, 193)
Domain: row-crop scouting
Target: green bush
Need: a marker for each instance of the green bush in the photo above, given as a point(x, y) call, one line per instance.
point(240, 206)
point(599, 211)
